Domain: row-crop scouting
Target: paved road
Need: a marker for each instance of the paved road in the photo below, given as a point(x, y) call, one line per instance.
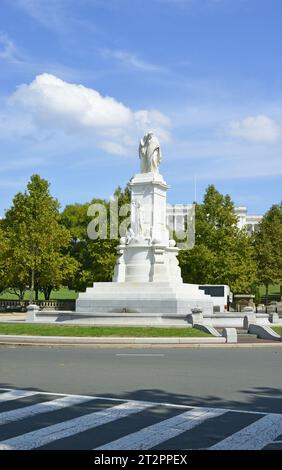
point(35, 420)
point(237, 388)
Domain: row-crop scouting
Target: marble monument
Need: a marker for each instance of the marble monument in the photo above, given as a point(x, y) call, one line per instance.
point(147, 287)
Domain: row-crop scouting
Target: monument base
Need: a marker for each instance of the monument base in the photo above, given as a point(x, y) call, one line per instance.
point(112, 319)
point(142, 302)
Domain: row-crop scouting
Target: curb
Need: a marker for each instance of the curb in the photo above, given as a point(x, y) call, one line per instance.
point(106, 342)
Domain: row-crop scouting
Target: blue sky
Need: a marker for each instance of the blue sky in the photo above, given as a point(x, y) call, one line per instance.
point(82, 80)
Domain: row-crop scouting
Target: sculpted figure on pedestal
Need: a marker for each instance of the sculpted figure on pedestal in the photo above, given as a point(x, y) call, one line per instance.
point(150, 153)
point(138, 218)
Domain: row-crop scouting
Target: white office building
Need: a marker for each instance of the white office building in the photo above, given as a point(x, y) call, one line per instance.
point(246, 220)
point(179, 215)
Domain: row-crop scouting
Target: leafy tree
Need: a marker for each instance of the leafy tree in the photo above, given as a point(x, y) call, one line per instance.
point(4, 272)
point(222, 253)
point(268, 244)
point(96, 257)
point(58, 270)
point(37, 240)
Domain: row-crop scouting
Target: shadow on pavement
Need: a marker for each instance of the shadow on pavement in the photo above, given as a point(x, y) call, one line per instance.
point(263, 399)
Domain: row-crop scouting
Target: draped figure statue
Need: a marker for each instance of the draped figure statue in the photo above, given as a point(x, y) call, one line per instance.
point(150, 153)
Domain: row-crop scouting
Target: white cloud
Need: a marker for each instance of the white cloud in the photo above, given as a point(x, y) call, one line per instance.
point(113, 147)
point(153, 120)
point(8, 50)
point(215, 160)
point(201, 142)
point(21, 61)
point(47, 12)
point(131, 61)
point(74, 106)
point(51, 104)
point(22, 163)
point(255, 129)
point(57, 15)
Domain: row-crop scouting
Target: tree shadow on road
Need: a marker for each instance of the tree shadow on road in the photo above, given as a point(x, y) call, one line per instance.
point(262, 399)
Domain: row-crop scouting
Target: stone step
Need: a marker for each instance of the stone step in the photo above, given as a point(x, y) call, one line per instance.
point(142, 285)
point(242, 333)
point(247, 335)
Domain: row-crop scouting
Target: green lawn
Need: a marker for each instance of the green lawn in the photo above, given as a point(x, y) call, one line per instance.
point(62, 294)
point(277, 329)
point(273, 289)
point(67, 330)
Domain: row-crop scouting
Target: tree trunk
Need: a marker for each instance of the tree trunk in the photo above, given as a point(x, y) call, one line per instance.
point(21, 294)
point(31, 287)
point(18, 292)
point(47, 292)
point(266, 296)
point(36, 293)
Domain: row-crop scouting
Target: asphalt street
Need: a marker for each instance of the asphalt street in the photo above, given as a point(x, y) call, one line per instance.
point(247, 379)
point(121, 399)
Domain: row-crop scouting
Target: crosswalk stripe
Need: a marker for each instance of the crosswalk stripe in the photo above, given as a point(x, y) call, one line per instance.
point(16, 394)
point(151, 436)
point(44, 407)
point(170, 405)
point(255, 436)
point(258, 435)
point(41, 437)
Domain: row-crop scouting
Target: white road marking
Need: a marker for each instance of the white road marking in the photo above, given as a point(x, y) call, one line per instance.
point(16, 394)
point(153, 435)
point(170, 405)
point(255, 436)
point(44, 407)
point(41, 437)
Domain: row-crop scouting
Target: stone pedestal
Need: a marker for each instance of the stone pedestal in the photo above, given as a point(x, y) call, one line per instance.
point(148, 255)
point(148, 205)
point(147, 263)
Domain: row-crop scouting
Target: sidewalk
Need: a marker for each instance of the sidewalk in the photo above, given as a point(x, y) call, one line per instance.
point(12, 317)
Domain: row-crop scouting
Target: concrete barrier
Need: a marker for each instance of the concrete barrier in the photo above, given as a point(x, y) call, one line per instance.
point(274, 318)
point(264, 332)
point(230, 334)
point(207, 329)
point(233, 319)
point(32, 310)
point(248, 320)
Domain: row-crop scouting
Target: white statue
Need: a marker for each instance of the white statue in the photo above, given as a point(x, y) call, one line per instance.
point(129, 236)
point(138, 218)
point(150, 153)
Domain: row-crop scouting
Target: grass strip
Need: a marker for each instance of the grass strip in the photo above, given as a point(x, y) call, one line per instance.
point(277, 329)
point(84, 331)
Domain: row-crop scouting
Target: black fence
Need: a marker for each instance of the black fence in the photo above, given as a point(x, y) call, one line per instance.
point(270, 298)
